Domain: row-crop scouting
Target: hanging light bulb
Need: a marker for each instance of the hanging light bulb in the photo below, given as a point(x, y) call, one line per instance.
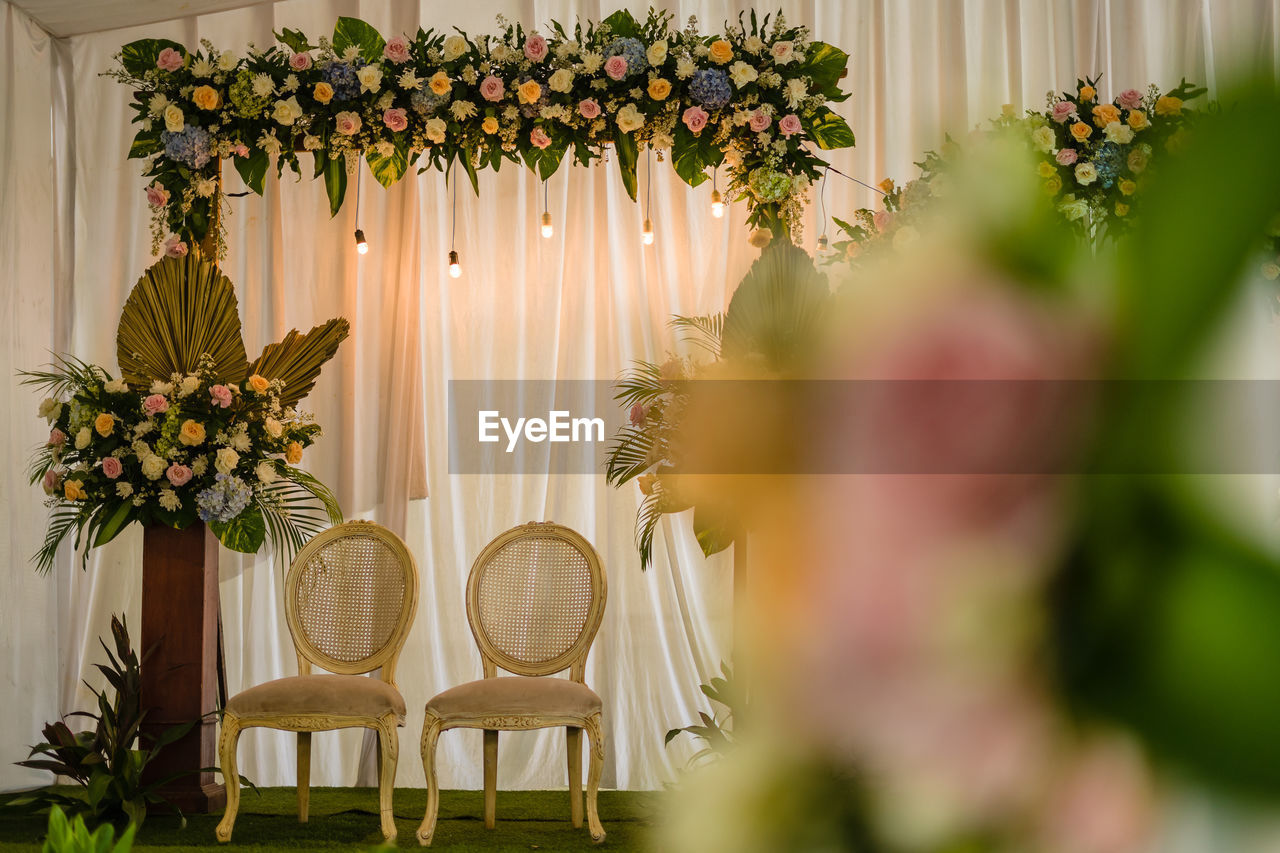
point(647, 234)
point(822, 243)
point(547, 229)
point(717, 204)
point(455, 268)
point(362, 245)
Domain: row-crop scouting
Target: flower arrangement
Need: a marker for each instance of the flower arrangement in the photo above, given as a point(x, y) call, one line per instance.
point(189, 431)
point(755, 98)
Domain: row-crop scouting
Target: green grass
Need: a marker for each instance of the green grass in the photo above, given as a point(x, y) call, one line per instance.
point(347, 819)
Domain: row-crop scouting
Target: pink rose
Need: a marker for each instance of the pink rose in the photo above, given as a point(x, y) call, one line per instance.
point(179, 475)
point(637, 415)
point(221, 395)
point(57, 437)
point(616, 67)
point(1130, 99)
point(174, 248)
point(169, 59)
point(695, 118)
point(240, 150)
point(50, 481)
point(789, 124)
point(347, 123)
point(112, 468)
point(395, 119)
point(1062, 111)
point(539, 137)
point(535, 48)
point(1066, 156)
point(157, 195)
point(397, 50)
point(759, 121)
point(883, 220)
point(300, 61)
point(492, 88)
point(155, 404)
point(588, 108)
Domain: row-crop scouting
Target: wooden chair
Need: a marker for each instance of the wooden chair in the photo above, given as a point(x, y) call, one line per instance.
point(535, 598)
point(350, 596)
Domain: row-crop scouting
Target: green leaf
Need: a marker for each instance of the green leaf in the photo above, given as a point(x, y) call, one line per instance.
point(388, 170)
point(97, 787)
point(353, 31)
point(823, 64)
point(829, 130)
point(139, 57)
point(688, 156)
point(551, 157)
point(253, 169)
point(335, 182)
point(628, 159)
point(296, 40)
point(465, 158)
point(116, 522)
point(244, 533)
point(622, 24)
point(714, 534)
point(146, 142)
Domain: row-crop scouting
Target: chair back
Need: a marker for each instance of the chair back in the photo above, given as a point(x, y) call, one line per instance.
point(535, 598)
point(350, 596)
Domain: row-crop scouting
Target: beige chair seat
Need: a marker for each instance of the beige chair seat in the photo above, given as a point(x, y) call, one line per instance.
point(329, 695)
point(516, 696)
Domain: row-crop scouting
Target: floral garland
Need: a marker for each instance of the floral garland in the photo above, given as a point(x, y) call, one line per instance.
point(1092, 157)
point(755, 99)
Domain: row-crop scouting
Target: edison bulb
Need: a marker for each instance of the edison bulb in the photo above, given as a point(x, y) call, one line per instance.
point(647, 234)
point(362, 245)
point(717, 204)
point(547, 229)
point(455, 268)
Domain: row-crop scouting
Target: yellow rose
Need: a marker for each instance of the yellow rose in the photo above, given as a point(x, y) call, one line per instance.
point(659, 89)
point(104, 424)
point(1122, 209)
point(1128, 187)
point(1081, 131)
point(1138, 120)
point(1104, 114)
point(1047, 169)
point(489, 125)
point(1088, 93)
point(887, 185)
point(1053, 185)
point(529, 92)
point(323, 93)
point(259, 383)
point(192, 433)
point(441, 84)
point(1168, 106)
point(205, 97)
point(720, 51)
point(293, 454)
point(73, 490)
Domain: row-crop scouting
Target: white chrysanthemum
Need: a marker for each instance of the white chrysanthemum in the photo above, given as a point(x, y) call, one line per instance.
point(169, 500)
point(162, 388)
point(50, 409)
point(753, 45)
point(199, 466)
point(351, 53)
point(291, 83)
point(188, 386)
point(227, 60)
point(462, 110)
point(268, 143)
point(685, 67)
point(202, 68)
point(157, 103)
point(263, 85)
point(796, 91)
point(591, 62)
point(205, 188)
point(123, 490)
point(410, 81)
point(266, 472)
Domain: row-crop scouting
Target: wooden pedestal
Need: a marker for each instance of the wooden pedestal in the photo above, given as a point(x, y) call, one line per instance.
point(179, 672)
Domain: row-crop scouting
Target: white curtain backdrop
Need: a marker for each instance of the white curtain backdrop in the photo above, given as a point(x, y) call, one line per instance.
point(582, 305)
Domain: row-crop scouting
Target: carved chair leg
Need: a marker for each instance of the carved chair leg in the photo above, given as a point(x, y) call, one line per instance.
point(595, 734)
point(573, 736)
point(490, 778)
point(230, 773)
point(388, 753)
point(304, 776)
point(431, 728)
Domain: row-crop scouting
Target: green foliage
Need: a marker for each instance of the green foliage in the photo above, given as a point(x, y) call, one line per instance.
point(825, 65)
point(624, 145)
point(353, 31)
point(829, 130)
point(139, 57)
point(244, 533)
point(74, 837)
point(295, 40)
point(716, 730)
point(388, 170)
point(253, 169)
point(776, 310)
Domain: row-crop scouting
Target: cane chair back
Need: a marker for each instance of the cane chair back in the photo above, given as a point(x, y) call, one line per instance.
point(350, 597)
point(535, 598)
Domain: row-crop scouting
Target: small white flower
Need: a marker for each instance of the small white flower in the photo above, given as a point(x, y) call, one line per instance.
point(384, 103)
point(685, 67)
point(169, 500)
point(291, 83)
point(312, 143)
point(385, 148)
point(226, 460)
point(266, 472)
point(227, 61)
point(199, 466)
point(263, 85)
point(370, 78)
point(269, 143)
point(351, 54)
point(123, 490)
point(410, 81)
point(164, 389)
point(206, 187)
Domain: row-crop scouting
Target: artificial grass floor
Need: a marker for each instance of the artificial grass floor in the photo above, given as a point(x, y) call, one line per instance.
point(347, 819)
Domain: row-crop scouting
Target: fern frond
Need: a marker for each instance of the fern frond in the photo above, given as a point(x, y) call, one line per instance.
point(704, 332)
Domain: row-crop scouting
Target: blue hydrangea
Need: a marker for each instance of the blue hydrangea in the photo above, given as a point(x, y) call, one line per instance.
point(710, 87)
point(425, 102)
point(224, 500)
point(1108, 163)
point(189, 146)
point(342, 77)
point(632, 51)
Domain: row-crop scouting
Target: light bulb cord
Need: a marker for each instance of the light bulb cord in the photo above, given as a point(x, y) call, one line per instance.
point(453, 216)
point(822, 200)
point(648, 181)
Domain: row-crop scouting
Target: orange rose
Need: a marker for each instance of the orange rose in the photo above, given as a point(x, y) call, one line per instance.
point(529, 92)
point(1138, 120)
point(1168, 106)
point(659, 89)
point(323, 93)
point(73, 490)
point(1104, 114)
point(887, 185)
point(440, 83)
point(293, 453)
point(259, 384)
point(720, 51)
point(1088, 93)
point(1128, 187)
point(1122, 209)
point(489, 125)
point(191, 433)
point(1081, 131)
point(205, 97)
point(104, 424)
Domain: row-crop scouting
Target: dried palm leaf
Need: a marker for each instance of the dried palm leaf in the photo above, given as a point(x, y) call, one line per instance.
point(297, 359)
point(180, 310)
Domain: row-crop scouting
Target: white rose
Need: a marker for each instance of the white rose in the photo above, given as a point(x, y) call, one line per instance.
point(434, 129)
point(173, 119)
point(287, 112)
point(561, 80)
point(796, 91)
point(657, 52)
point(454, 46)
point(188, 386)
point(630, 119)
point(1072, 208)
point(1043, 138)
point(783, 52)
point(1086, 173)
point(153, 467)
point(83, 437)
point(1119, 133)
point(266, 473)
point(226, 60)
point(370, 78)
point(226, 460)
point(741, 73)
point(123, 490)
point(116, 386)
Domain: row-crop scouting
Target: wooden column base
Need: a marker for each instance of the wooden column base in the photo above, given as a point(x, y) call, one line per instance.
point(179, 655)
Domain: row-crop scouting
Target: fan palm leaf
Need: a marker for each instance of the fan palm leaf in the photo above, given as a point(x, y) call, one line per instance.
point(775, 312)
point(296, 360)
point(181, 309)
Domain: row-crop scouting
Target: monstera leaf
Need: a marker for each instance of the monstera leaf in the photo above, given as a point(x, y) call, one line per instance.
point(298, 358)
point(181, 309)
point(775, 311)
